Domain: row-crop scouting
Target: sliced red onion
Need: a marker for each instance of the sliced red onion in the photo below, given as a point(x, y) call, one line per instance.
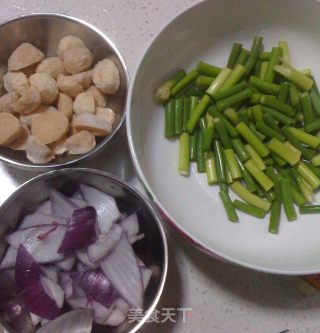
point(101, 313)
point(116, 318)
point(104, 204)
point(44, 322)
point(104, 244)
point(41, 242)
point(82, 255)
point(76, 321)
point(81, 230)
point(51, 271)
point(11, 308)
point(28, 285)
point(96, 286)
point(44, 208)
point(67, 285)
point(35, 319)
point(146, 274)
point(122, 270)
point(77, 195)
point(61, 206)
point(80, 203)
point(37, 219)
point(67, 263)
point(54, 291)
point(130, 225)
point(9, 259)
point(136, 238)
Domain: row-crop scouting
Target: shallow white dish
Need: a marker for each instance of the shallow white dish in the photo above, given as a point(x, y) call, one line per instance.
point(206, 32)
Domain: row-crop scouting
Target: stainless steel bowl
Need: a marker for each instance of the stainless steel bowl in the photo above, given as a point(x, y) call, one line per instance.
point(45, 31)
point(152, 249)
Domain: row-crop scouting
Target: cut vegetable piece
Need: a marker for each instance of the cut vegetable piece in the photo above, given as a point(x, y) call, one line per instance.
point(104, 204)
point(105, 243)
point(37, 219)
point(51, 271)
point(61, 206)
point(76, 321)
point(44, 207)
point(82, 255)
point(9, 259)
point(41, 242)
point(13, 311)
point(29, 286)
point(122, 270)
point(250, 198)
point(81, 230)
point(80, 203)
point(67, 263)
point(53, 290)
point(284, 152)
point(130, 225)
point(96, 286)
point(136, 238)
point(146, 274)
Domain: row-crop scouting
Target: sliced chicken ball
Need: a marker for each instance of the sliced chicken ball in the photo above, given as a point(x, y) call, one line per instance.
point(91, 123)
point(107, 114)
point(46, 86)
point(77, 60)
point(49, 127)
point(106, 76)
point(52, 66)
point(65, 105)
point(37, 152)
point(21, 142)
point(8, 102)
point(84, 78)
point(69, 86)
point(23, 56)
point(100, 100)
point(16, 81)
point(83, 103)
point(26, 120)
point(9, 128)
point(69, 42)
point(29, 101)
point(80, 142)
point(3, 70)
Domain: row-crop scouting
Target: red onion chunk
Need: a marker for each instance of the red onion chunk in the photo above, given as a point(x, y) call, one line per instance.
point(35, 319)
point(104, 204)
point(135, 238)
point(41, 242)
point(116, 318)
point(96, 286)
point(77, 195)
point(81, 230)
point(146, 274)
point(9, 259)
point(61, 206)
point(11, 308)
point(122, 270)
point(104, 244)
point(130, 225)
point(67, 263)
point(53, 290)
point(80, 203)
point(82, 255)
point(76, 321)
point(51, 271)
point(44, 208)
point(29, 286)
point(37, 219)
point(67, 285)
point(101, 313)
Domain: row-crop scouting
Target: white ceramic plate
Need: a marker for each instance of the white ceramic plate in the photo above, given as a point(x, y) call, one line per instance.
point(206, 32)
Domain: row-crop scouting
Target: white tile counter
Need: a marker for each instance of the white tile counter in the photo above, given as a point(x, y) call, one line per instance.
point(223, 298)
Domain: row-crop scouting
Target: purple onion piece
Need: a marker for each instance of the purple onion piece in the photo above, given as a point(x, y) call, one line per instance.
point(61, 206)
point(96, 286)
point(81, 230)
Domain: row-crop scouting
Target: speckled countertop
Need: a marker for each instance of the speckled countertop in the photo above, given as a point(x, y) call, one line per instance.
point(223, 298)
